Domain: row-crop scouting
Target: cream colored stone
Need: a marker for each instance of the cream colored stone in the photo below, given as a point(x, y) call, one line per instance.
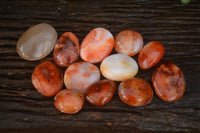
point(37, 42)
point(118, 67)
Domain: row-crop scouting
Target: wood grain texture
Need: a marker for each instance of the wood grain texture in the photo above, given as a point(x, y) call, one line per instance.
point(177, 26)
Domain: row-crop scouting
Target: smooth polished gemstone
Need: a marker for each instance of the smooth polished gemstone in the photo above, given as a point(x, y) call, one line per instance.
point(69, 101)
point(128, 42)
point(47, 78)
point(100, 93)
point(150, 54)
point(37, 42)
point(135, 92)
point(66, 50)
point(168, 82)
point(118, 67)
point(80, 75)
point(97, 45)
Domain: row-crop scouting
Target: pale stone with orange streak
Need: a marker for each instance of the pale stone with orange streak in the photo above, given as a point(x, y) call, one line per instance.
point(80, 75)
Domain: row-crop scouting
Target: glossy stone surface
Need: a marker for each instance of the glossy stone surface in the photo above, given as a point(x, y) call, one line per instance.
point(118, 67)
point(80, 75)
point(97, 45)
point(100, 93)
point(128, 42)
point(150, 54)
point(37, 42)
point(135, 92)
point(168, 82)
point(47, 78)
point(66, 50)
point(69, 101)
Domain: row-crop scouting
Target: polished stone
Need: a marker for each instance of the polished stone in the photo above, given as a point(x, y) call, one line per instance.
point(118, 67)
point(37, 42)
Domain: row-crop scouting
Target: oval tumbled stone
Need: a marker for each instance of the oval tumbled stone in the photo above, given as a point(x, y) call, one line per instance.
point(128, 42)
point(66, 50)
point(97, 45)
point(118, 67)
point(79, 76)
point(168, 82)
point(37, 42)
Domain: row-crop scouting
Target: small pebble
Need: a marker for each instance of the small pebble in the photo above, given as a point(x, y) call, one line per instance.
point(128, 42)
point(47, 78)
point(97, 45)
point(118, 67)
point(135, 92)
point(37, 42)
point(66, 50)
point(150, 54)
point(81, 75)
point(100, 93)
point(69, 101)
point(168, 82)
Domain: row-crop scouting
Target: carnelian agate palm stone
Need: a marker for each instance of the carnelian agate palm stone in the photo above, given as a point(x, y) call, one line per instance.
point(100, 93)
point(168, 82)
point(135, 92)
point(80, 75)
point(128, 42)
point(66, 50)
point(47, 78)
point(69, 101)
point(150, 54)
point(97, 45)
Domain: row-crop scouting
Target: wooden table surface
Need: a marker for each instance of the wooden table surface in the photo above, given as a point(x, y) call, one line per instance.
point(176, 25)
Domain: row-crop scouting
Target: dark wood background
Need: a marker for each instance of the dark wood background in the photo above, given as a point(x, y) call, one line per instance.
point(176, 25)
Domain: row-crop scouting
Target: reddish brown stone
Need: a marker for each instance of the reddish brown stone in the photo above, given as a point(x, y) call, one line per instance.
point(168, 82)
point(47, 78)
point(66, 50)
point(100, 93)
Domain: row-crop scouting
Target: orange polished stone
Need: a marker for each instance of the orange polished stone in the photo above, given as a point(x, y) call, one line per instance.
point(66, 50)
point(100, 93)
point(128, 42)
point(135, 92)
point(168, 82)
point(47, 78)
point(150, 54)
point(69, 101)
point(97, 45)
